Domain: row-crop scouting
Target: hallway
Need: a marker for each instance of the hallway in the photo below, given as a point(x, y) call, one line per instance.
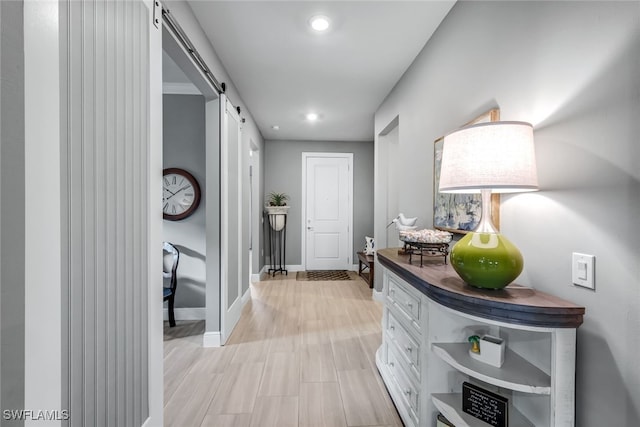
point(303, 354)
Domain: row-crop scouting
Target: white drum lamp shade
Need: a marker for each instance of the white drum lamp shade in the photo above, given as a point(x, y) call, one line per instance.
point(498, 156)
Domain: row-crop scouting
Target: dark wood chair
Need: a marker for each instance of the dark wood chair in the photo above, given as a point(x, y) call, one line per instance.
point(170, 258)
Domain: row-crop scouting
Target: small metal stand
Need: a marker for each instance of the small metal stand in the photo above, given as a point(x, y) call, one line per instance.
point(277, 244)
point(426, 249)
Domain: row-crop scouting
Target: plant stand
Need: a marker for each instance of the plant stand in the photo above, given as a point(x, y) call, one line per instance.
point(277, 242)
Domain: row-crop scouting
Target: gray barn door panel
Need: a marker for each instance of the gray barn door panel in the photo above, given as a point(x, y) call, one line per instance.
point(105, 193)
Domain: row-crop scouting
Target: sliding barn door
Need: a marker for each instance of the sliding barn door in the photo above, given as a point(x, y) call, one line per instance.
point(111, 205)
point(234, 207)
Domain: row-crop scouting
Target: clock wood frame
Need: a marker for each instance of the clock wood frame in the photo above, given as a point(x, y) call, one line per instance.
point(196, 194)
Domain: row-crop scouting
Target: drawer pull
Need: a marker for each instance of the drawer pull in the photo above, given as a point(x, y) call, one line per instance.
point(409, 349)
point(391, 364)
point(407, 392)
point(393, 328)
point(410, 305)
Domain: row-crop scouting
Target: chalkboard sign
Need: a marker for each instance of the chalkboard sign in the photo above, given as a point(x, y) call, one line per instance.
point(485, 405)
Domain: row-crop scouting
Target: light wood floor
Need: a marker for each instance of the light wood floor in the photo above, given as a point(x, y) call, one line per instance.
point(303, 354)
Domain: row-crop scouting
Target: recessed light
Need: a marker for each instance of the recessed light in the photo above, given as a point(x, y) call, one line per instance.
point(319, 23)
point(275, 127)
point(312, 117)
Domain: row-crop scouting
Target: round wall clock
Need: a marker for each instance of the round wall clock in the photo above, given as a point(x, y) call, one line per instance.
point(180, 194)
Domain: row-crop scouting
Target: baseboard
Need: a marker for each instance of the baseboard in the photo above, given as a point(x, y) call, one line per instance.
point(377, 296)
point(211, 339)
point(246, 296)
point(258, 277)
point(288, 267)
point(186, 313)
point(354, 267)
point(214, 339)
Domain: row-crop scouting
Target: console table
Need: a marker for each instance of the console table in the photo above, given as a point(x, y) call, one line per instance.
point(365, 267)
point(428, 315)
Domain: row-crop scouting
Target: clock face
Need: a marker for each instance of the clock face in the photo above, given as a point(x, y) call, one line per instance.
point(181, 194)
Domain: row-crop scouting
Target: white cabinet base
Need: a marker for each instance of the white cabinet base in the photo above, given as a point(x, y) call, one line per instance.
point(429, 314)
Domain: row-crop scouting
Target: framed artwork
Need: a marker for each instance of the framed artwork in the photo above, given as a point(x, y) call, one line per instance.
point(460, 213)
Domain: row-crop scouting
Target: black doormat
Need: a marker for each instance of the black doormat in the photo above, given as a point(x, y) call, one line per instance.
point(327, 275)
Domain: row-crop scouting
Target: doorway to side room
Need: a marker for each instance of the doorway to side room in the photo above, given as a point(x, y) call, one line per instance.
point(198, 237)
point(386, 181)
point(255, 216)
point(184, 148)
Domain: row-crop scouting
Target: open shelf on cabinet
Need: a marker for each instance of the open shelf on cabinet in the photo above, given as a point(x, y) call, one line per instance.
point(516, 373)
point(450, 405)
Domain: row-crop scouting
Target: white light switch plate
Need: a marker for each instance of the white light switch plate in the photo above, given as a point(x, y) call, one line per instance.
point(583, 270)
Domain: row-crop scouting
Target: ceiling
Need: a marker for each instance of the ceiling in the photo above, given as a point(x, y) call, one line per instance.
point(283, 69)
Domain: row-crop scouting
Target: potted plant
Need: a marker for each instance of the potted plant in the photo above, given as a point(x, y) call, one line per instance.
point(278, 199)
point(277, 209)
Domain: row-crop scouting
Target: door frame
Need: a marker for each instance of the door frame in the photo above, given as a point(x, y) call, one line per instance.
point(303, 229)
point(254, 211)
point(213, 305)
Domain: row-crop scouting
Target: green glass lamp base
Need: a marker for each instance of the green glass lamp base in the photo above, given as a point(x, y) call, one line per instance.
point(486, 260)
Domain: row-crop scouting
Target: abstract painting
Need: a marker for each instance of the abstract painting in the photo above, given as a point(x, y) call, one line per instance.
point(460, 213)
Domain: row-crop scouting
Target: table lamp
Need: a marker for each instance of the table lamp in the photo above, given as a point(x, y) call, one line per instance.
point(483, 158)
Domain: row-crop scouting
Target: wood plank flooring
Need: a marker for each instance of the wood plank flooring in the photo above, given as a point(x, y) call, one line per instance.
point(302, 355)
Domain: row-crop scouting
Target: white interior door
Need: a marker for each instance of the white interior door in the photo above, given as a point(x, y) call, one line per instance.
point(233, 257)
point(328, 210)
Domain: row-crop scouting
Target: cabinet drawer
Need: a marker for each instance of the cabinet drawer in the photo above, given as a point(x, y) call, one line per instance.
point(404, 298)
point(404, 342)
point(406, 387)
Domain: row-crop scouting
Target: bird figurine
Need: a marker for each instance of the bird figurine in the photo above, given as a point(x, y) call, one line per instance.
point(403, 223)
point(403, 220)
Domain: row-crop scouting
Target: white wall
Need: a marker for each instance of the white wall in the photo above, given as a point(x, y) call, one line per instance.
point(43, 243)
point(184, 147)
point(572, 69)
point(283, 174)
